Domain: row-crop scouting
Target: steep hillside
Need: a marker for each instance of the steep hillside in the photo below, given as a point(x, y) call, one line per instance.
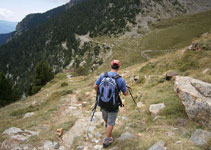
point(66, 102)
point(59, 40)
point(4, 37)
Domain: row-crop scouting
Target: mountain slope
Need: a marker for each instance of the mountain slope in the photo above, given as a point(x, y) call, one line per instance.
point(7, 26)
point(69, 107)
point(59, 40)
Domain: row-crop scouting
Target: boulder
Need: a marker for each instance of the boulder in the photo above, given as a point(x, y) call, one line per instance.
point(200, 137)
point(155, 108)
point(158, 146)
point(196, 97)
point(125, 136)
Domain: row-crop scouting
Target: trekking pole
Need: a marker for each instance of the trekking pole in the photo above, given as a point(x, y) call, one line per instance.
point(94, 110)
point(130, 91)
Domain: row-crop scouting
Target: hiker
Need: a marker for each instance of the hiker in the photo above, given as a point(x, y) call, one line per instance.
point(108, 87)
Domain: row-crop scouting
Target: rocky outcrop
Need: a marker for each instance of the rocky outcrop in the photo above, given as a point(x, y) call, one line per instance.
point(196, 97)
point(200, 137)
point(15, 137)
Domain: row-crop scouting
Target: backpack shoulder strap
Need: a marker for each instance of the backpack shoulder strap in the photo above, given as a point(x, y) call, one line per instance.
point(120, 101)
point(105, 74)
point(116, 76)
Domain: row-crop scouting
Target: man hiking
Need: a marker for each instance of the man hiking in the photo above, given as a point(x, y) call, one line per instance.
point(108, 87)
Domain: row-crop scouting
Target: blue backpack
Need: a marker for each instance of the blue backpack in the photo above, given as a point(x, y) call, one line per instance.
point(108, 93)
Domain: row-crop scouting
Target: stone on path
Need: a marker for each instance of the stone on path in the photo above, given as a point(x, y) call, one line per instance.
point(98, 147)
point(196, 97)
point(158, 146)
point(49, 145)
point(155, 108)
point(125, 136)
point(200, 137)
point(140, 104)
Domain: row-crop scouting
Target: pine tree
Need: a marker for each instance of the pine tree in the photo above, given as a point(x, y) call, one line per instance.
point(6, 91)
point(42, 74)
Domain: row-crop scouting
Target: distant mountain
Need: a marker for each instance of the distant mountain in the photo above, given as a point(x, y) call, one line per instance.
point(7, 26)
point(32, 20)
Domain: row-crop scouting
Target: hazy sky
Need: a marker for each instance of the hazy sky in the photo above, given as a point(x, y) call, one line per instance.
point(16, 10)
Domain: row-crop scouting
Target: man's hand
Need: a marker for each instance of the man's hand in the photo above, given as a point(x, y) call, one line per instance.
point(95, 87)
point(126, 93)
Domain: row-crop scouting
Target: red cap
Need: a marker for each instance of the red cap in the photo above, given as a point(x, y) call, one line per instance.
point(115, 62)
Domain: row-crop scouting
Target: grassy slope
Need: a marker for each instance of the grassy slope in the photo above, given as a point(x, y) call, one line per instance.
point(47, 103)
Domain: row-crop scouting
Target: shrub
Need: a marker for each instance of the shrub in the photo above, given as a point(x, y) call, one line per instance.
point(64, 84)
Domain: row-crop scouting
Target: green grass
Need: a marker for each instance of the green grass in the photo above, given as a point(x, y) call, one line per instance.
point(177, 32)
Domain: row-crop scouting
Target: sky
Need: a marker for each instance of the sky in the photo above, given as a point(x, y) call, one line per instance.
point(16, 10)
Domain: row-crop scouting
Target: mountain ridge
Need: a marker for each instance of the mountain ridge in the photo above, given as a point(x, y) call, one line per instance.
point(58, 44)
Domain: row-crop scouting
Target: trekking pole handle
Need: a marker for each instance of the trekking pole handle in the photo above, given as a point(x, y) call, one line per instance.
point(128, 87)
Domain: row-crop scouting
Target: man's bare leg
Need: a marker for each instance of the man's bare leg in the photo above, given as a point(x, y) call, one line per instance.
point(108, 131)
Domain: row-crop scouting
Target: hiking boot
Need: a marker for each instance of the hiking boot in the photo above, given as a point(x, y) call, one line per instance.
point(107, 142)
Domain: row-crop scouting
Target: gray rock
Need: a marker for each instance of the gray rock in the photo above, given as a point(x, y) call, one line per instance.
point(158, 146)
point(124, 118)
point(95, 140)
point(49, 145)
point(196, 97)
point(85, 148)
point(170, 74)
point(206, 71)
point(90, 135)
point(92, 128)
point(178, 142)
point(125, 136)
point(61, 148)
point(98, 135)
point(170, 133)
point(19, 134)
point(139, 95)
point(155, 108)
point(79, 147)
point(98, 147)
point(200, 137)
point(28, 115)
point(140, 104)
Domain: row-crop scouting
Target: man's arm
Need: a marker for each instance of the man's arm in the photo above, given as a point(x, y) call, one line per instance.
point(95, 87)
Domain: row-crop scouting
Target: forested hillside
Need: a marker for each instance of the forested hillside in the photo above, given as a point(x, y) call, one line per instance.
point(59, 41)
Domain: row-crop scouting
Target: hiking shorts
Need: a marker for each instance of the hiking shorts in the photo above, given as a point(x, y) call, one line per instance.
point(109, 117)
